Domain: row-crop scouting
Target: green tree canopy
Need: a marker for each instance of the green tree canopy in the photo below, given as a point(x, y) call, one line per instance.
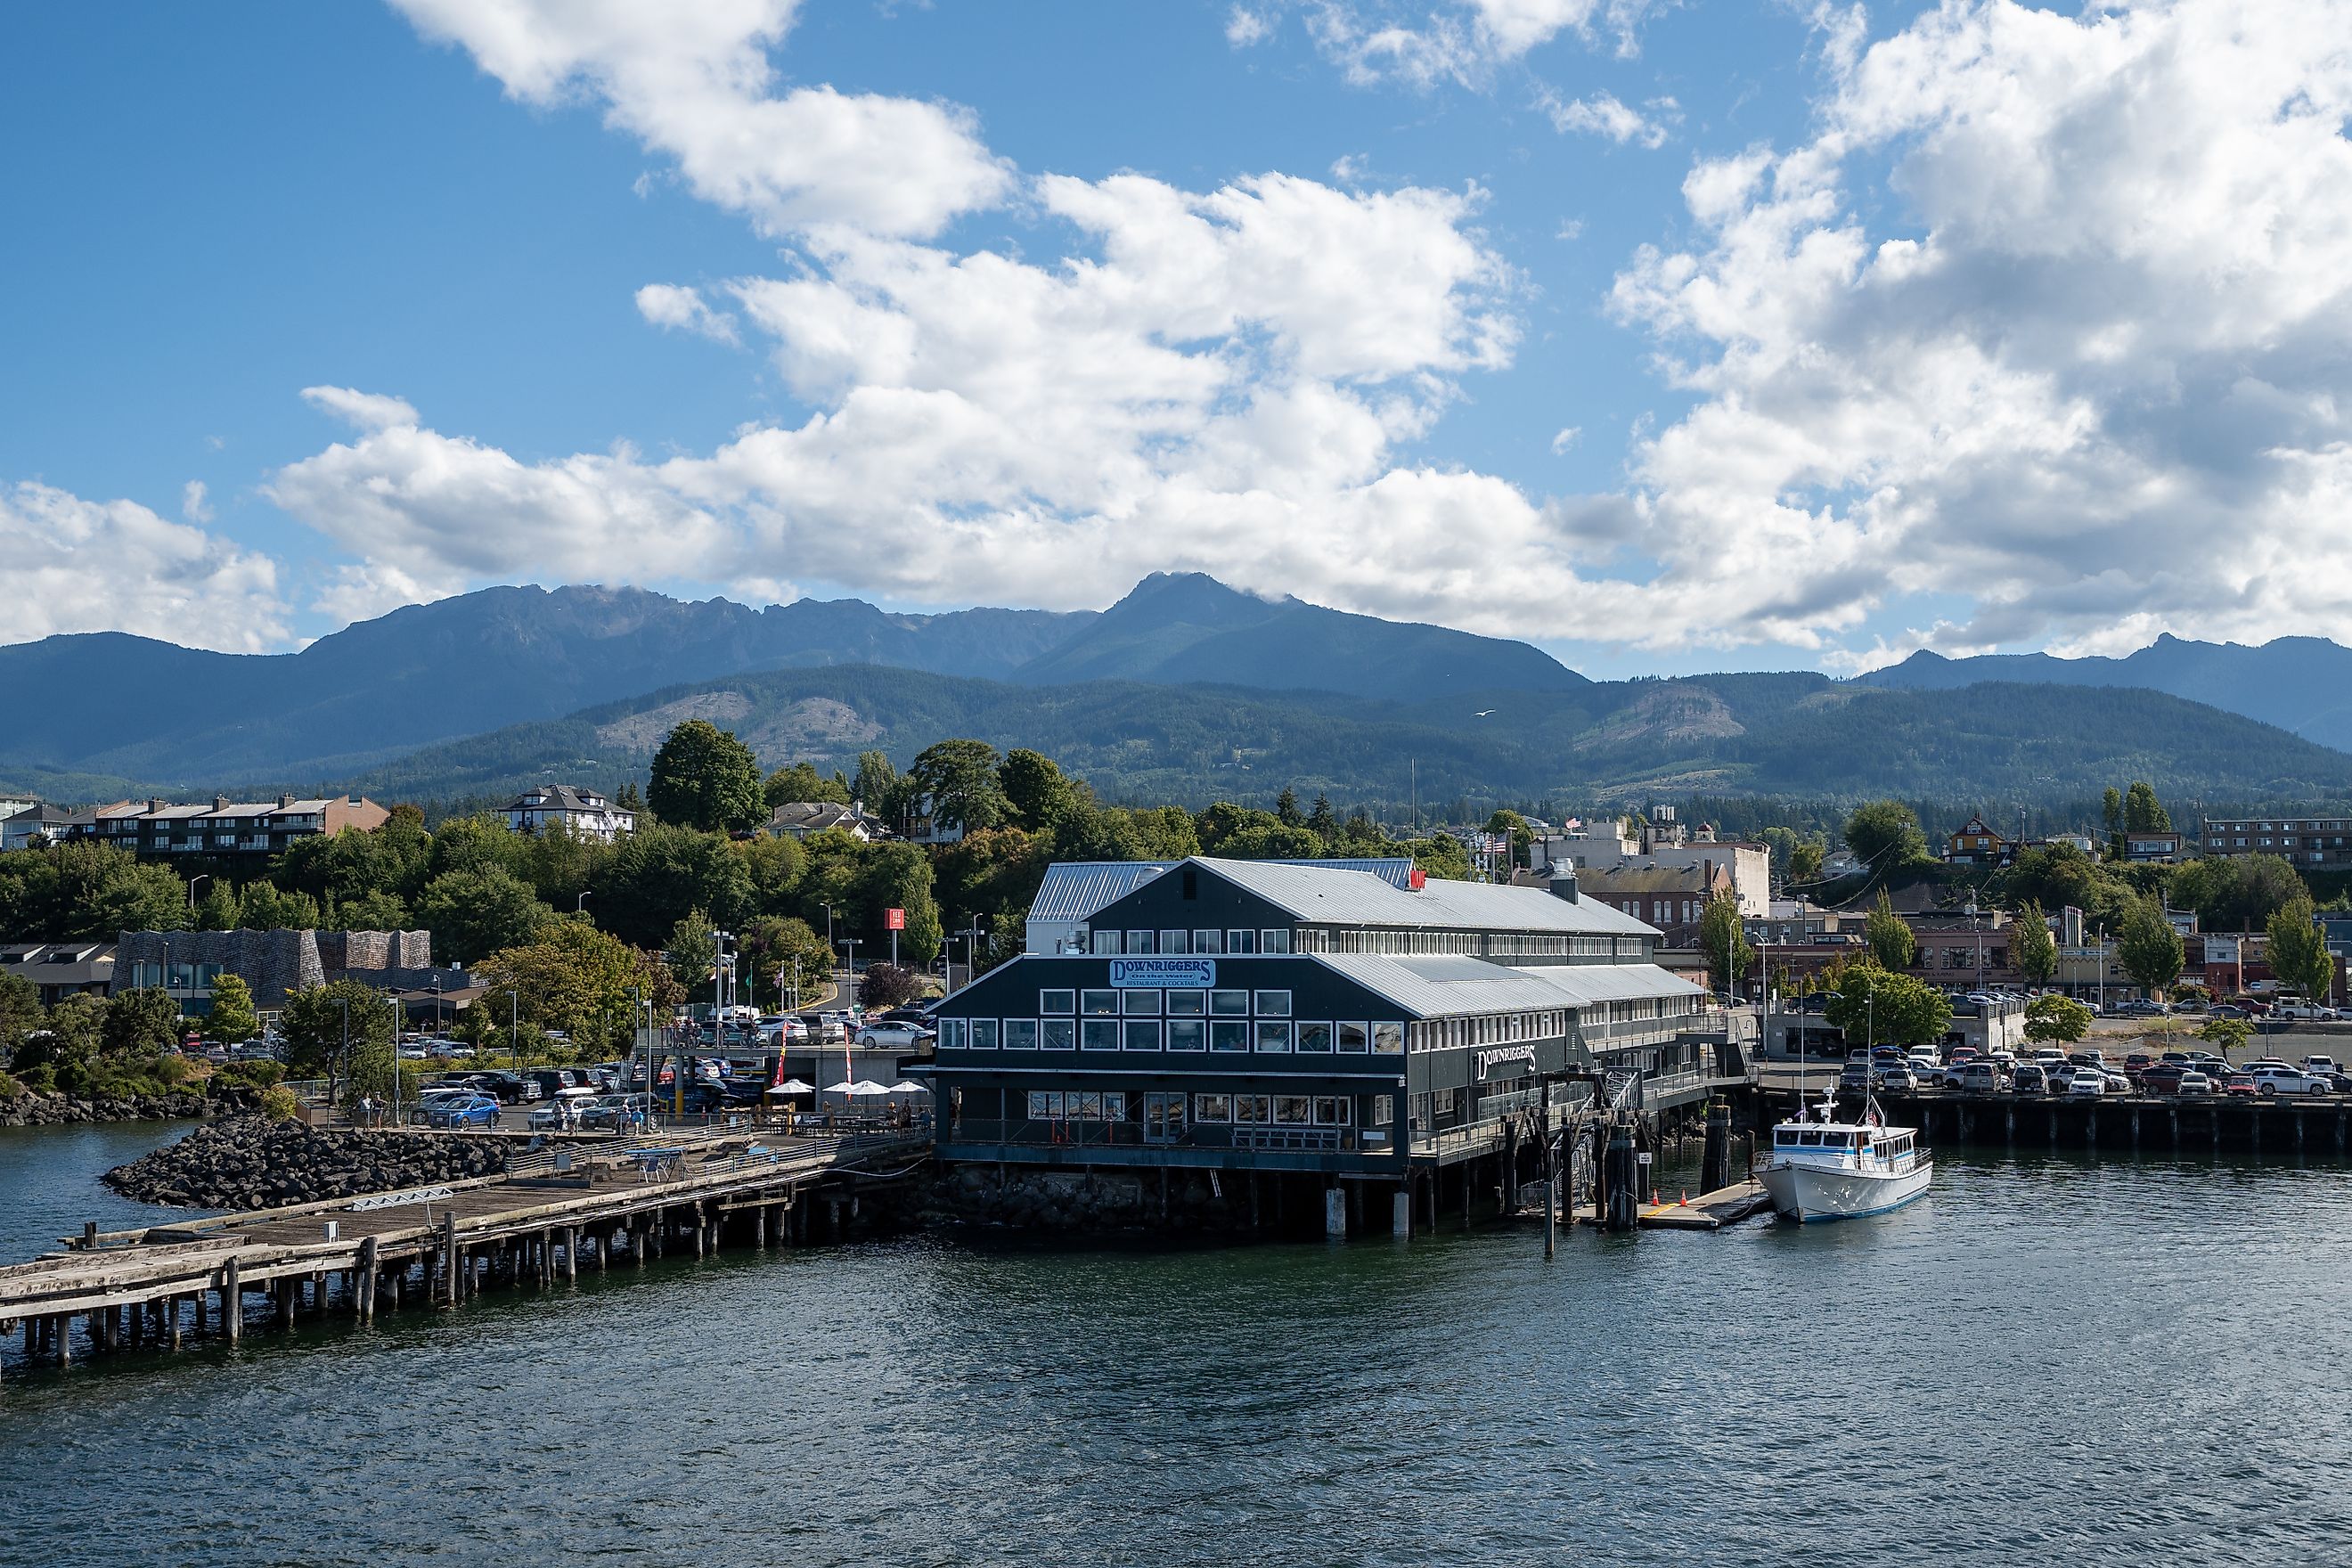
point(1723, 937)
point(1888, 936)
point(579, 981)
point(657, 874)
point(2239, 894)
point(1885, 836)
point(1036, 793)
point(784, 956)
point(959, 779)
point(479, 843)
point(2032, 946)
point(2298, 950)
point(139, 1023)
point(234, 1018)
point(2055, 1020)
point(322, 1044)
point(472, 914)
point(704, 777)
point(1880, 1007)
point(2146, 946)
point(692, 954)
point(803, 782)
point(2143, 813)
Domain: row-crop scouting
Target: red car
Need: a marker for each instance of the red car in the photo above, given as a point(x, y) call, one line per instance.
point(2139, 1061)
point(2239, 1083)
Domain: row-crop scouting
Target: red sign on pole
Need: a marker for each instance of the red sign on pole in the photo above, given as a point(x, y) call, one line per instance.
point(894, 919)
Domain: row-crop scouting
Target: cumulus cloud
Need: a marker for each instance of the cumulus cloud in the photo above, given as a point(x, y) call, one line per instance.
point(684, 310)
point(193, 504)
point(1602, 115)
point(1462, 40)
point(2089, 372)
point(1244, 26)
point(695, 82)
point(78, 566)
point(367, 410)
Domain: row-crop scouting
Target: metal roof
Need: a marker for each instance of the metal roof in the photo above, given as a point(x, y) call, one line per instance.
point(1323, 896)
point(1074, 889)
point(1443, 986)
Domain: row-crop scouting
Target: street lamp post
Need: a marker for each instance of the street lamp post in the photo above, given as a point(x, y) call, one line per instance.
point(581, 903)
point(199, 877)
point(514, 1026)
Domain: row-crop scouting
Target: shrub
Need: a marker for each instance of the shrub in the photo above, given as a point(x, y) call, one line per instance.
point(40, 1078)
point(259, 1074)
point(278, 1103)
point(9, 1088)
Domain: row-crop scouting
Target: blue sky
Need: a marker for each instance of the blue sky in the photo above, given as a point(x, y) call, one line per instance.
point(1672, 338)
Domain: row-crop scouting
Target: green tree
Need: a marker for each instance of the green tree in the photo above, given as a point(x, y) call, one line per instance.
point(658, 874)
point(371, 912)
point(2032, 946)
point(139, 1024)
point(1888, 936)
point(2143, 813)
point(2146, 946)
point(472, 914)
point(260, 906)
point(1884, 1008)
point(692, 954)
point(774, 864)
point(2228, 1034)
point(579, 981)
point(1885, 836)
point(877, 783)
point(1270, 840)
point(480, 843)
point(786, 957)
point(2239, 894)
point(704, 777)
point(1723, 937)
point(1805, 859)
point(20, 1013)
point(802, 782)
point(2111, 809)
point(2298, 950)
point(320, 1044)
point(1035, 792)
point(233, 1019)
point(959, 781)
point(1285, 806)
point(1322, 820)
point(2055, 1020)
point(1440, 854)
point(217, 908)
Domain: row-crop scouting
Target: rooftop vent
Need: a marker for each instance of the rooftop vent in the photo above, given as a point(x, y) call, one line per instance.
point(1563, 884)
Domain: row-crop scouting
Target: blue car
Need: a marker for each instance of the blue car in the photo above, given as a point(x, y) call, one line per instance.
point(465, 1111)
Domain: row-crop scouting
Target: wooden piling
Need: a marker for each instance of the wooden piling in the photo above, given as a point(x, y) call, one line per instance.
point(232, 1301)
point(363, 1285)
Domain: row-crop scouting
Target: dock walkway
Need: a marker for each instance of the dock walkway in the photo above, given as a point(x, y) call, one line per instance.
point(440, 1244)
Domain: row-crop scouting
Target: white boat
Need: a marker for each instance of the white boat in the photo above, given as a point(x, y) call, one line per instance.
point(1823, 1168)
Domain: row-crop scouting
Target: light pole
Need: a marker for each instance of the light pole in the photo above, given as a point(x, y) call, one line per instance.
point(514, 1026)
point(199, 877)
point(580, 904)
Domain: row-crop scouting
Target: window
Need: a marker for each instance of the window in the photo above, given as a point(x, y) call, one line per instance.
point(1384, 1110)
point(1059, 1035)
point(1044, 1105)
point(1213, 1107)
point(1228, 1035)
point(1187, 1004)
point(1143, 1037)
point(1144, 1002)
point(1333, 1111)
point(1273, 1036)
point(1353, 1036)
point(1251, 1108)
point(1241, 941)
point(1274, 1003)
point(1174, 941)
point(1186, 1034)
point(1208, 941)
point(1062, 1002)
point(1274, 941)
point(1388, 1039)
point(1141, 941)
point(1296, 1109)
point(1107, 942)
point(983, 1034)
point(953, 1035)
point(1100, 1034)
point(1315, 1037)
point(1020, 1034)
point(1096, 1004)
point(1233, 1004)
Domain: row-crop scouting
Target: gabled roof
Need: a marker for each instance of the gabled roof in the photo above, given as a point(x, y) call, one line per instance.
point(1322, 895)
point(1074, 889)
point(558, 797)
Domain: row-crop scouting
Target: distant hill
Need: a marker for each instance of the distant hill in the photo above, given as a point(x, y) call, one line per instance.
point(130, 715)
point(1176, 629)
point(1795, 735)
point(2299, 684)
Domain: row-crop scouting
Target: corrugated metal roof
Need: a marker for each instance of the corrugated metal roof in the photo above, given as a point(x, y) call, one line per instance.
point(1439, 988)
point(1324, 896)
point(1073, 889)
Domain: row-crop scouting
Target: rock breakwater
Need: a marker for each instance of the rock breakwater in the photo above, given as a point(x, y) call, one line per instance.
point(249, 1162)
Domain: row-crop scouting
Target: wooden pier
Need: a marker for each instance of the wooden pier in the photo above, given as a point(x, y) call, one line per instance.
point(570, 1209)
point(2313, 1126)
point(1705, 1211)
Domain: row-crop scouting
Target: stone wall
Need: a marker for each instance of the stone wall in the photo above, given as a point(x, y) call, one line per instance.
point(273, 963)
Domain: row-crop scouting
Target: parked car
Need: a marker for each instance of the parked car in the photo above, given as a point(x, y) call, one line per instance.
point(475, 1110)
point(2309, 1012)
point(2029, 1079)
point(2087, 1081)
point(2239, 1083)
point(1896, 1078)
point(509, 1087)
point(2230, 1010)
point(2164, 1078)
point(2193, 1083)
point(2320, 1066)
point(612, 1112)
point(892, 1033)
point(1855, 1075)
point(2139, 1061)
point(2276, 1078)
point(1984, 1078)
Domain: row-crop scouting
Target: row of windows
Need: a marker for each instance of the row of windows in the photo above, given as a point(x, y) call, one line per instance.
point(1217, 1110)
point(1150, 942)
point(1491, 1029)
point(1415, 941)
point(1176, 1004)
point(145, 976)
point(1267, 1036)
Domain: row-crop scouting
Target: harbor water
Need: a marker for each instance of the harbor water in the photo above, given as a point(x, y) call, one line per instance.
point(2045, 1360)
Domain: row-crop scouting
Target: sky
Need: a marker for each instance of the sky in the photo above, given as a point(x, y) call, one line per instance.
point(1668, 337)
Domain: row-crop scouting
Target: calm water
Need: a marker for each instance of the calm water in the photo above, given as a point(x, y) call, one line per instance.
point(2044, 1361)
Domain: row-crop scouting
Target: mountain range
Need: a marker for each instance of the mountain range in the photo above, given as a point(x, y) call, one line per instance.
point(1185, 690)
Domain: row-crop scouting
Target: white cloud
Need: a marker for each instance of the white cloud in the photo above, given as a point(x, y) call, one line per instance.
point(193, 504)
point(1244, 26)
point(694, 82)
point(1566, 438)
point(684, 310)
point(1602, 115)
point(1464, 41)
point(78, 566)
point(366, 410)
point(2090, 372)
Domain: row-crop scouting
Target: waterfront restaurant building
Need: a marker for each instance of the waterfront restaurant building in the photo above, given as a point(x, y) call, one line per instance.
point(1326, 1025)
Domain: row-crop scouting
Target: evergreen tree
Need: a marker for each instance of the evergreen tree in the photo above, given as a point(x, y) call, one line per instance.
point(1322, 819)
point(1285, 808)
point(1892, 945)
point(2298, 950)
point(2032, 946)
point(704, 777)
point(233, 1019)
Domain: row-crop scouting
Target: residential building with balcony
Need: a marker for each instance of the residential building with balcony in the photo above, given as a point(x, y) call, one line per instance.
point(1324, 1025)
point(589, 816)
point(165, 830)
point(1976, 844)
point(2322, 841)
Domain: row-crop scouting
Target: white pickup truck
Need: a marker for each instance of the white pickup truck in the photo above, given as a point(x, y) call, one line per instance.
point(2306, 1012)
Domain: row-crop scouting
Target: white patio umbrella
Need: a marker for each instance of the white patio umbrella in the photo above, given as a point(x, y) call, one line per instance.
point(793, 1086)
point(867, 1089)
point(905, 1086)
point(844, 1087)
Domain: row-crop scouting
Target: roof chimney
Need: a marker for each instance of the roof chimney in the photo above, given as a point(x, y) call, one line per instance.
point(1563, 883)
point(284, 801)
point(154, 804)
point(220, 803)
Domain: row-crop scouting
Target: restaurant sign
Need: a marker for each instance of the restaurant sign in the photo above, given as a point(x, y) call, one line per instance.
point(1169, 973)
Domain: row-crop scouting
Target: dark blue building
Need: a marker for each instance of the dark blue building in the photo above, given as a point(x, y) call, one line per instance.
point(1320, 1024)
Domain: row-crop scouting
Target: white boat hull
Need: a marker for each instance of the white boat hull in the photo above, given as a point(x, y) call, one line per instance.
point(1809, 1193)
